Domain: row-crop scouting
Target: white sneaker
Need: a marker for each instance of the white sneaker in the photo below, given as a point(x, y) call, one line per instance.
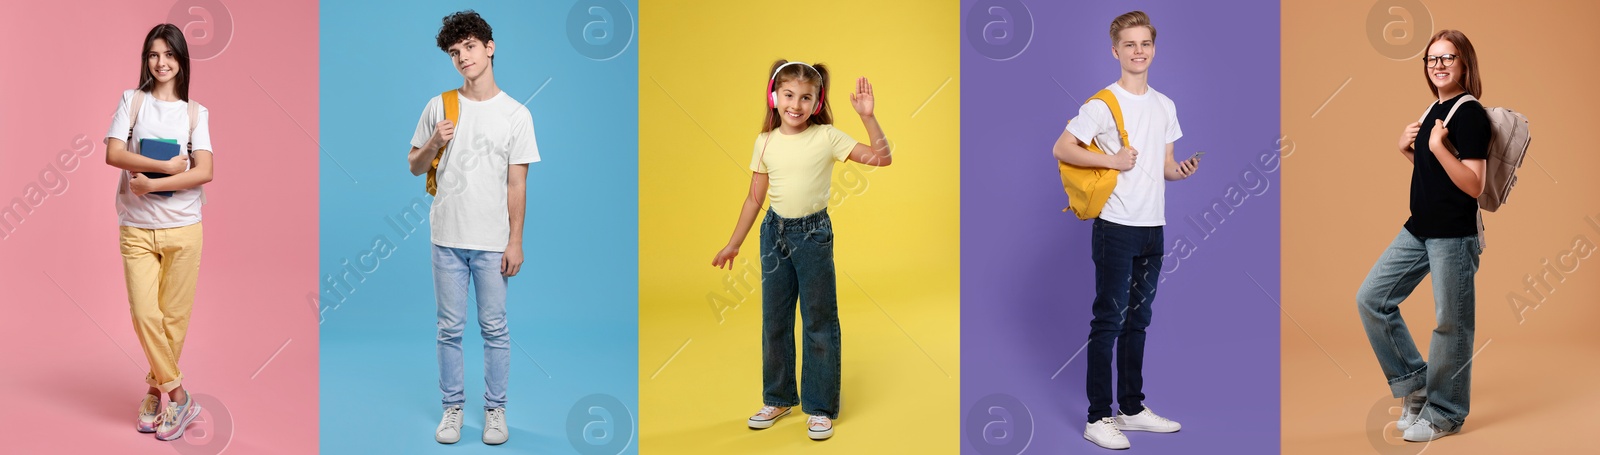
point(1411, 408)
point(767, 416)
point(148, 414)
point(1104, 433)
point(819, 427)
point(494, 427)
point(1146, 420)
point(1423, 431)
point(449, 430)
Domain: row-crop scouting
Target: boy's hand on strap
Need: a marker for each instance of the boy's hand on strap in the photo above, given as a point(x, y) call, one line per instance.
point(443, 132)
point(1124, 160)
point(862, 99)
point(724, 258)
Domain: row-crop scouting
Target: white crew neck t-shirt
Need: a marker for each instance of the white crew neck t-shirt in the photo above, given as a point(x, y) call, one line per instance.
point(159, 120)
point(469, 210)
point(1151, 121)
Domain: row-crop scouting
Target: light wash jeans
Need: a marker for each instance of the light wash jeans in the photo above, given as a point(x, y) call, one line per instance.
point(1447, 375)
point(453, 268)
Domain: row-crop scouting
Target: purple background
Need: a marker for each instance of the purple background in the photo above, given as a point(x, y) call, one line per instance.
point(1211, 359)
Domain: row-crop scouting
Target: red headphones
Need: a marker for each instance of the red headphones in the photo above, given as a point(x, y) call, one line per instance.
point(772, 93)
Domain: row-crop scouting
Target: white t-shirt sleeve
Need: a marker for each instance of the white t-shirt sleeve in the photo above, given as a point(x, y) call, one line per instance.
point(119, 119)
point(425, 124)
point(1094, 120)
point(202, 131)
point(524, 148)
point(840, 144)
point(1173, 131)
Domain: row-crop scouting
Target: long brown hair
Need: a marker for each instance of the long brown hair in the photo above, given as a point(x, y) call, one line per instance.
point(180, 52)
point(815, 74)
point(1466, 58)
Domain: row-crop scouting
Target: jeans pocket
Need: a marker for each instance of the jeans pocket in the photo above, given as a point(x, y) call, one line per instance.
point(821, 235)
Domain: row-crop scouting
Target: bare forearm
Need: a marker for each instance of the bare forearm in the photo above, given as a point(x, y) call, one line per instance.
point(1067, 151)
point(1464, 177)
point(881, 154)
point(121, 158)
point(517, 206)
point(420, 159)
point(181, 181)
point(747, 218)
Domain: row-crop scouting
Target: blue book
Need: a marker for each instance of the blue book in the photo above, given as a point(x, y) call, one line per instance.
point(160, 150)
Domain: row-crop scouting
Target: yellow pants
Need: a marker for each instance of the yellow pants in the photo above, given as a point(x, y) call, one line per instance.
point(161, 266)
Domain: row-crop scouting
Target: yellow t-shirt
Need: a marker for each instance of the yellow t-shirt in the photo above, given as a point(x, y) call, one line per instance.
point(799, 167)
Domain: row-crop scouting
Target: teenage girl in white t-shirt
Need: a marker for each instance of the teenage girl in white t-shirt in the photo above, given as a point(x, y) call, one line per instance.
point(160, 232)
point(793, 164)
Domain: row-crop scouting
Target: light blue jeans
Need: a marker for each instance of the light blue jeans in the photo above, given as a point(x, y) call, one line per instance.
point(453, 268)
point(1447, 375)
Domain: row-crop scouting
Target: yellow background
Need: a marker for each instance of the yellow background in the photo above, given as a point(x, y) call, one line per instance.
point(703, 72)
point(1345, 197)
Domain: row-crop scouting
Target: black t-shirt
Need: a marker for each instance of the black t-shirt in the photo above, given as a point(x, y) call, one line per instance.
point(1439, 209)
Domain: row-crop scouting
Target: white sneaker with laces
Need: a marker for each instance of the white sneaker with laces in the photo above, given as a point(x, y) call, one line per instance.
point(1104, 433)
point(1423, 431)
point(449, 430)
point(1411, 408)
point(819, 427)
point(767, 416)
point(1146, 420)
point(494, 427)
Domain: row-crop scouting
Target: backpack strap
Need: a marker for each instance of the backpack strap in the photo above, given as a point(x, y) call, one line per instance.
point(1105, 96)
point(134, 106)
point(452, 112)
point(194, 120)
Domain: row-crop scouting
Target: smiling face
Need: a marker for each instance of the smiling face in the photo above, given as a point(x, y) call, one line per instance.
point(797, 99)
point(161, 62)
point(1445, 68)
point(1134, 49)
point(471, 57)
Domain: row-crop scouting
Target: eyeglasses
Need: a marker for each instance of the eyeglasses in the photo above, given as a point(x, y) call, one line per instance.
point(1434, 60)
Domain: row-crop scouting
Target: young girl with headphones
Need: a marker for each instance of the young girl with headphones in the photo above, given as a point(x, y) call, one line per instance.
point(793, 164)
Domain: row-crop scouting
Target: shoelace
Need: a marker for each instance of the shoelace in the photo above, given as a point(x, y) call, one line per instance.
point(148, 406)
point(497, 418)
point(818, 420)
point(171, 416)
point(768, 412)
point(452, 417)
point(1111, 425)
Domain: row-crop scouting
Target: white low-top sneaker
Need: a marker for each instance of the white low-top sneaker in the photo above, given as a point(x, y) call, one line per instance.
point(1410, 408)
point(1146, 420)
point(1423, 431)
point(494, 427)
point(449, 430)
point(1104, 433)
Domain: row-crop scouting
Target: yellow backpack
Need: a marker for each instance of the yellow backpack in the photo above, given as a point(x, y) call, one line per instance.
point(1088, 188)
point(452, 112)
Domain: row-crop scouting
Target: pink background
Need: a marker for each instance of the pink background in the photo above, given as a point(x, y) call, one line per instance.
point(70, 364)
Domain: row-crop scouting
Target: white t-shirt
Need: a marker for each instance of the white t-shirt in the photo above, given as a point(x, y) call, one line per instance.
point(159, 120)
point(469, 210)
point(1151, 121)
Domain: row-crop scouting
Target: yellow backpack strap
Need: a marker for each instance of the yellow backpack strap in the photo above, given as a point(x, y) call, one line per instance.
point(452, 112)
point(1116, 112)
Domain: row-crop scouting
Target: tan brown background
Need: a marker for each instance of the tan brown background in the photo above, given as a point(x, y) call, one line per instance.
point(1537, 372)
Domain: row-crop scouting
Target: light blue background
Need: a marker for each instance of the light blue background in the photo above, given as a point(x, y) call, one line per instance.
point(573, 308)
